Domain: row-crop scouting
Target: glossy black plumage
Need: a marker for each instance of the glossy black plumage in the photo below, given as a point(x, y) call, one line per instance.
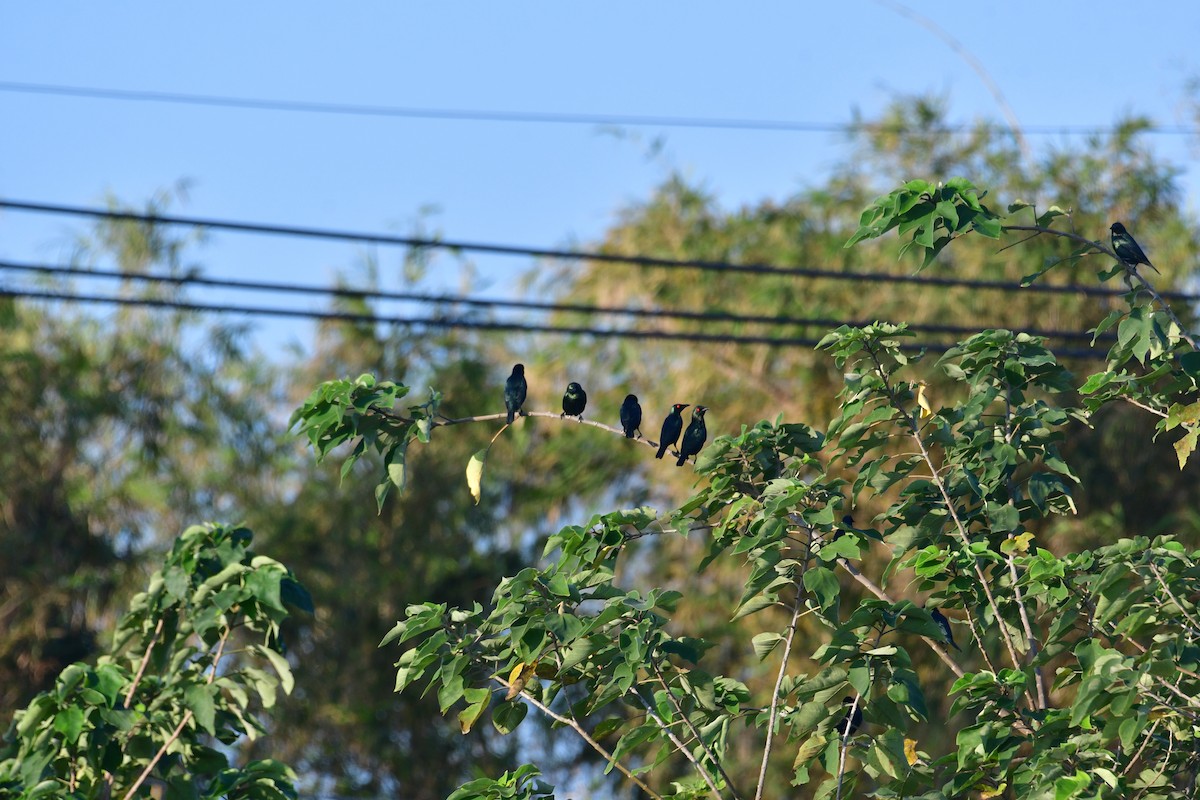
point(671, 428)
point(574, 400)
point(514, 391)
point(631, 416)
point(853, 721)
point(1127, 248)
point(694, 436)
point(944, 624)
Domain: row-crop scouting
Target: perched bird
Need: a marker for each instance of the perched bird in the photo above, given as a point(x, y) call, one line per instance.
point(944, 624)
point(1127, 249)
point(851, 721)
point(514, 391)
point(694, 436)
point(672, 427)
point(574, 401)
point(631, 415)
point(847, 522)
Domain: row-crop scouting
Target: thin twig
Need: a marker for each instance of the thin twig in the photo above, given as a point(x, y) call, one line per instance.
point(1143, 406)
point(783, 664)
point(1039, 679)
point(665, 728)
point(446, 422)
point(583, 734)
point(1166, 588)
point(695, 733)
point(960, 528)
point(187, 717)
point(1138, 754)
point(142, 666)
point(845, 737)
point(1132, 272)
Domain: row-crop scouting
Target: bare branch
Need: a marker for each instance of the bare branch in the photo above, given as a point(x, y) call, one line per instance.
point(695, 733)
point(187, 717)
point(142, 666)
point(665, 728)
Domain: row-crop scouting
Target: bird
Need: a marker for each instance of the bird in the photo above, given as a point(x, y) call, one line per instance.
point(1127, 248)
point(574, 401)
point(672, 427)
point(847, 522)
point(694, 436)
point(514, 392)
point(631, 415)
point(853, 721)
point(944, 624)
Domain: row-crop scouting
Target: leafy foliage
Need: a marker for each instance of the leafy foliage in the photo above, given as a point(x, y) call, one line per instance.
point(1079, 674)
point(197, 653)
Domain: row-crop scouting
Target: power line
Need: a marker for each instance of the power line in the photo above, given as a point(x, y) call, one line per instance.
point(496, 303)
point(544, 252)
point(452, 323)
point(541, 117)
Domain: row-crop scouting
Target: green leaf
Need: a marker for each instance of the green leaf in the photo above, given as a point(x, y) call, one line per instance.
point(764, 643)
point(281, 666)
point(824, 585)
point(477, 703)
point(69, 722)
point(198, 698)
point(507, 716)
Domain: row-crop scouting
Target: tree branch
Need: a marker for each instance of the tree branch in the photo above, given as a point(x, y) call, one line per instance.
point(142, 666)
point(783, 662)
point(583, 734)
point(665, 728)
point(695, 733)
point(161, 752)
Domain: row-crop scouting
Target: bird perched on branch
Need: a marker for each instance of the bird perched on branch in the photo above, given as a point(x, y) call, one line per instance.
point(854, 720)
point(574, 401)
point(694, 436)
point(1127, 249)
point(672, 427)
point(631, 416)
point(944, 624)
point(514, 392)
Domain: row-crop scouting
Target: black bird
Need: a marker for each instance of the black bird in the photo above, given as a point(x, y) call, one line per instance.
point(694, 436)
point(847, 522)
point(672, 427)
point(574, 401)
point(1127, 249)
point(514, 392)
point(944, 624)
point(631, 415)
point(851, 721)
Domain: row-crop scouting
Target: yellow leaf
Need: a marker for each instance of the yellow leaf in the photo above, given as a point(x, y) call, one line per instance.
point(475, 474)
point(1021, 543)
point(922, 401)
point(519, 677)
point(910, 751)
point(986, 793)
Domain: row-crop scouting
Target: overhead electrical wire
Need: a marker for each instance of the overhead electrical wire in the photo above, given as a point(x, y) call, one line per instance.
point(497, 303)
point(540, 117)
point(452, 323)
point(563, 254)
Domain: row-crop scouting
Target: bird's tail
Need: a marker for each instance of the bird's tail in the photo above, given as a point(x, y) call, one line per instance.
point(682, 458)
point(629, 433)
point(662, 448)
point(511, 415)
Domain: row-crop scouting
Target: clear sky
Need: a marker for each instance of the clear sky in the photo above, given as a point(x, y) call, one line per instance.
point(1063, 63)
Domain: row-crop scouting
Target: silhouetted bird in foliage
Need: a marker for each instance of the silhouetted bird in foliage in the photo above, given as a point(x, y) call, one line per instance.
point(514, 391)
point(847, 522)
point(694, 436)
point(1127, 249)
point(672, 427)
point(853, 721)
point(574, 401)
point(631, 415)
point(944, 624)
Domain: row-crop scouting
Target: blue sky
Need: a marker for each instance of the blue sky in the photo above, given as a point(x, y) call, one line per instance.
point(522, 183)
